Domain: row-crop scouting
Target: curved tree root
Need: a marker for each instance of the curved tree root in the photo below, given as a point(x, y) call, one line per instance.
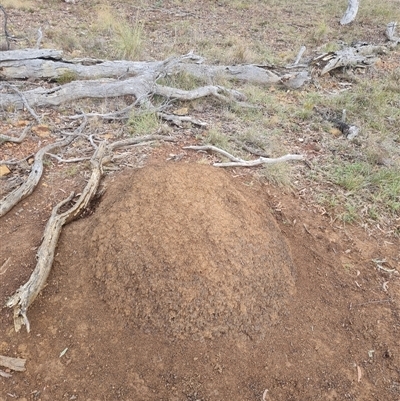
point(27, 293)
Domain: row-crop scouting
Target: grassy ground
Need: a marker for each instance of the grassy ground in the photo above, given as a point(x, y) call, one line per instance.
point(353, 181)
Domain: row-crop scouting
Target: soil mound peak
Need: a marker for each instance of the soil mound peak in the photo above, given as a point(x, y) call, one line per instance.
point(188, 251)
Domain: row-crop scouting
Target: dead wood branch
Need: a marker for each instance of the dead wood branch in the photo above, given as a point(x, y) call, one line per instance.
point(391, 33)
point(74, 160)
point(215, 149)
point(350, 13)
point(298, 58)
point(260, 161)
point(17, 364)
point(24, 101)
point(6, 138)
point(134, 141)
point(204, 91)
point(27, 293)
point(178, 120)
point(237, 162)
point(6, 34)
point(30, 54)
point(361, 56)
point(10, 200)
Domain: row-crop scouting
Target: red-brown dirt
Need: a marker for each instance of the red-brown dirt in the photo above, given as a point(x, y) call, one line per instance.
point(191, 283)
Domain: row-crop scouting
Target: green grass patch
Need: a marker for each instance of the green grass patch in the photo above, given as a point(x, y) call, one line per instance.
point(143, 123)
point(369, 186)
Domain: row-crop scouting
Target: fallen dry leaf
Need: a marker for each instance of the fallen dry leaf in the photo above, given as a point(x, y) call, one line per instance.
point(22, 123)
point(41, 130)
point(335, 132)
point(4, 170)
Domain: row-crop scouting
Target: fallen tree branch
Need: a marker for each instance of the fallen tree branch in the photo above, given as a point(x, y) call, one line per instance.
point(177, 120)
point(215, 149)
point(6, 138)
point(391, 33)
point(6, 34)
point(361, 55)
point(24, 101)
point(260, 161)
point(27, 293)
point(350, 13)
point(61, 160)
point(204, 91)
point(14, 197)
point(237, 162)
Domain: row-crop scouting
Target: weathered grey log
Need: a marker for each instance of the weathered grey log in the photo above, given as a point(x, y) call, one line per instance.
point(27, 54)
point(37, 66)
point(103, 88)
point(350, 13)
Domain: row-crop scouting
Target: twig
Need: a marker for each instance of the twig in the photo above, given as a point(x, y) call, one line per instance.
point(7, 35)
point(215, 149)
point(6, 138)
point(236, 162)
point(24, 101)
point(298, 58)
point(133, 141)
point(61, 160)
point(3, 267)
point(39, 39)
point(14, 163)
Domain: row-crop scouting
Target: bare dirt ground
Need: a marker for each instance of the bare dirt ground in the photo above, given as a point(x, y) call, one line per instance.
point(186, 282)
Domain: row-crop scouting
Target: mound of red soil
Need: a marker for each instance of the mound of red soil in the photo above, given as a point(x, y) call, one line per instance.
point(180, 253)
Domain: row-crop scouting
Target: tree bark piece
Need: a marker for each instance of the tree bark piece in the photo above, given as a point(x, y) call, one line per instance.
point(351, 12)
point(27, 293)
point(10, 200)
point(17, 364)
